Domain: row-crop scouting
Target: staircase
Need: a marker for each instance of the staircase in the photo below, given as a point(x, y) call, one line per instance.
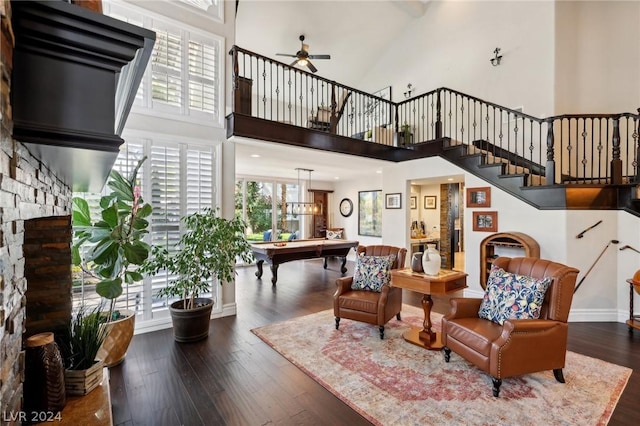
point(569, 161)
point(526, 180)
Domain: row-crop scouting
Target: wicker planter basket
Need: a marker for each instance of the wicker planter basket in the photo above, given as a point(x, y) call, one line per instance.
point(119, 335)
point(81, 382)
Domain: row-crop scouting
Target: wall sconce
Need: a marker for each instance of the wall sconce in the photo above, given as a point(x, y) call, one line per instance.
point(495, 61)
point(407, 94)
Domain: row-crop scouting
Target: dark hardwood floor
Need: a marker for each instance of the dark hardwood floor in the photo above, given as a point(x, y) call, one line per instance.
point(233, 378)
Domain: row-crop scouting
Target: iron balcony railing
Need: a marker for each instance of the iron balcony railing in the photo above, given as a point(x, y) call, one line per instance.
point(571, 148)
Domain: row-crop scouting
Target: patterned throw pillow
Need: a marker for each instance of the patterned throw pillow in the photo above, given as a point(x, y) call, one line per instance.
point(372, 272)
point(334, 235)
point(512, 296)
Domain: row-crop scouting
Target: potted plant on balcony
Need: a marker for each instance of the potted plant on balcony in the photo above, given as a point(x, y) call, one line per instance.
point(111, 250)
point(404, 136)
point(207, 250)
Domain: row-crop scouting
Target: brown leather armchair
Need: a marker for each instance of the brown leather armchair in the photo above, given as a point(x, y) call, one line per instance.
point(519, 346)
point(369, 306)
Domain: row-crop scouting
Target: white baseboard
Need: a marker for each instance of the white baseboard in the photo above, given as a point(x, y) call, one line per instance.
point(228, 310)
point(595, 315)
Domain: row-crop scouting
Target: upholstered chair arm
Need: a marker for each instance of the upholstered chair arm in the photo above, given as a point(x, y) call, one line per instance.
point(382, 300)
point(343, 285)
point(526, 346)
point(462, 307)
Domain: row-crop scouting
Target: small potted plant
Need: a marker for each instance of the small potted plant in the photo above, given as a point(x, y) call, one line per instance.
point(111, 250)
point(404, 136)
point(85, 335)
point(207, 250)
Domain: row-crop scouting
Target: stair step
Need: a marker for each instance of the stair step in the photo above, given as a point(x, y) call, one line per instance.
point(527, 181)
point(515, 181)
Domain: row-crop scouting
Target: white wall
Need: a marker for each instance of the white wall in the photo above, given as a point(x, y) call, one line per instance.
point(603, 295)
point(451, 44)
point(349, 189)
point(597, 56)
point(558, 57)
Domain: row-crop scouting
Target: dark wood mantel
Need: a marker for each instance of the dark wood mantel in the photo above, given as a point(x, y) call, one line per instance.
point(75, 76)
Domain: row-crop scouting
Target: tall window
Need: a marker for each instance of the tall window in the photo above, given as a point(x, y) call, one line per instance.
point(177, 179)
point(185, 75)
point(262, 205)
point(166, 68)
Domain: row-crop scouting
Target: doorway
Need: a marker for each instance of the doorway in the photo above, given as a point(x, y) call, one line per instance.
point(436, 209)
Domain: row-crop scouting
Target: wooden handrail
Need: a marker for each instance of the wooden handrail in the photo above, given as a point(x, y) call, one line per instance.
point(591, 148)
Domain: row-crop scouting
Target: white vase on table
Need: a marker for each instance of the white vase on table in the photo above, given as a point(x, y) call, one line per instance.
point(431, 260)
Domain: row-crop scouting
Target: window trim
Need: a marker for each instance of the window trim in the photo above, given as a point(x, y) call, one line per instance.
point(187, 33)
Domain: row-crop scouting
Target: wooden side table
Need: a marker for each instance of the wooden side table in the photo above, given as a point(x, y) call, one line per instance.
point(446, 281)
point(634, 320)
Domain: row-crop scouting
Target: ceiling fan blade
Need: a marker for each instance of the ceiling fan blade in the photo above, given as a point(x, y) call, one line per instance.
point(294, 63)
point(311, 67)
point(320, 56)
point(286, 54)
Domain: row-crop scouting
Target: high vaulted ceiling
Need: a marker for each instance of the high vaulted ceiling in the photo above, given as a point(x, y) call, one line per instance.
point(352, 32)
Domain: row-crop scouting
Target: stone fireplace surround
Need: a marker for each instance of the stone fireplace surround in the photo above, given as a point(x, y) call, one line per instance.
point(29, 194)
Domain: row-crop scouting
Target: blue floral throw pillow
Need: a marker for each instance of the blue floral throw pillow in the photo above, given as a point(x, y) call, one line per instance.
point(372, 272)
point(512, 296)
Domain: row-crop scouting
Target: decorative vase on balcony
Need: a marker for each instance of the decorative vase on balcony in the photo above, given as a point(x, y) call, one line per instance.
point(431, 260)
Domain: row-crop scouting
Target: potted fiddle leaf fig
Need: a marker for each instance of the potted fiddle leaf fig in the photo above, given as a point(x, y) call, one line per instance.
point(111, 250)
point(207, 250)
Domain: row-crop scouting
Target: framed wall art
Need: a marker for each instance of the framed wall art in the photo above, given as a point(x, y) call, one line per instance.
point(379, 110)
point(430, 201)
point(393, 201)
point(413, 202)
point(370, 213)
point(479, 197)
point(485, 221)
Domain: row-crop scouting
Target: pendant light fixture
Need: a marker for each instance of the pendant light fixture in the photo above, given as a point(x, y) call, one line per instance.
point(302, 207)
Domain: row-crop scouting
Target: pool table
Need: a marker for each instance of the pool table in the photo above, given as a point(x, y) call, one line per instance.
point(277, 252)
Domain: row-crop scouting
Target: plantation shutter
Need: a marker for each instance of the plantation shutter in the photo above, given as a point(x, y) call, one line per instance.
point(202, 76)
point(199, 179)
point(166, 68)
point(165, 199)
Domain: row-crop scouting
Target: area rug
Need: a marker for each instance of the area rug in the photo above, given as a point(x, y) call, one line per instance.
point(393, 382)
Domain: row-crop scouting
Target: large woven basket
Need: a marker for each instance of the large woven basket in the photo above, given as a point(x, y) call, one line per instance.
point(119, 335)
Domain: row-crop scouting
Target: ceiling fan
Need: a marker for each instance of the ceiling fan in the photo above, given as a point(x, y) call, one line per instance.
point(302, 56)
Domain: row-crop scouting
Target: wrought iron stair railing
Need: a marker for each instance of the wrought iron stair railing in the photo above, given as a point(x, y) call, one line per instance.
point(570, 149)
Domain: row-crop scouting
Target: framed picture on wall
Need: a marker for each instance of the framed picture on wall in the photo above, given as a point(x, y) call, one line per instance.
point(393, 201)
point(479, 197)
point(430, 201)
point(485, 221)
point(414, 202)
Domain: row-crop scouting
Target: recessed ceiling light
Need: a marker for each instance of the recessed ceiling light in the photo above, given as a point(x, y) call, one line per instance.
point(337, 178)
point(378, 171)
point(255, 155)
point(450, 179)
